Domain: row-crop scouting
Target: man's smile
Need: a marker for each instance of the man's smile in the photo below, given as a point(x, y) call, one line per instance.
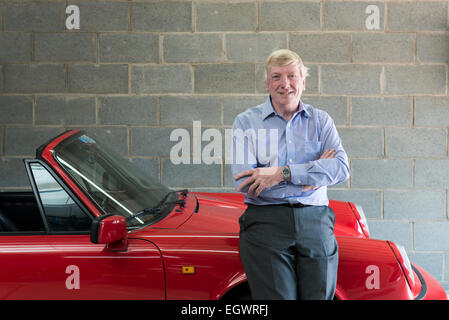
point(286, 93)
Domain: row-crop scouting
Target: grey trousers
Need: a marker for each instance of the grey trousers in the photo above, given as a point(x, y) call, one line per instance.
point(289, 253)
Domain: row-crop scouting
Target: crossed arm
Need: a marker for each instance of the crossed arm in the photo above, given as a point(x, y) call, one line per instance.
point(259, 179)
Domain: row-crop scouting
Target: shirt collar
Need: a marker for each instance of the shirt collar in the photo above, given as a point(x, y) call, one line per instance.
point(268, 110)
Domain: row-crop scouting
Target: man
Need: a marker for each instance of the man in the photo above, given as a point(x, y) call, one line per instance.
point(287, 243)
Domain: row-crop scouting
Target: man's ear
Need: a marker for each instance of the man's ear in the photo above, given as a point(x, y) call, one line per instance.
point(267, 74)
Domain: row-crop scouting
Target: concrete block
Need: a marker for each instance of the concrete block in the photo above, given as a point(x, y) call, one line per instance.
point(15, 47)
point(417, 15)
point(224, 16)
point(32, 16)
point(161, 16)
point(128, 110)
point(110, 78)
point(350, 79)
point(186, 109)
point(129, 47)
point(16, 110)
point(414, 204)
point(324, 47)
point(44, 78)
point(433, 48)
point(431, 235)
point(224, 78)
point(64, 47)
point(384, 47)
point(289, 16)
point(386, 174)
point(362, 142)
point(416, 142)
point(417, 79)
point(431, 173)
point(385, 111)
point(57, 110)
point(432, 111)
point(161, 79)
point(193, 47)
point(446, 274)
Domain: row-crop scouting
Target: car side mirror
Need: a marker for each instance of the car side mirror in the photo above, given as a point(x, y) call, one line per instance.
point(110, 230)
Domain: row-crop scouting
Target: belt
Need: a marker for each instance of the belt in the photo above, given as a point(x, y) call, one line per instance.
point(288, 205)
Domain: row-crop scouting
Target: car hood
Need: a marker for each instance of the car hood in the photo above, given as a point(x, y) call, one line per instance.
point(217, 213)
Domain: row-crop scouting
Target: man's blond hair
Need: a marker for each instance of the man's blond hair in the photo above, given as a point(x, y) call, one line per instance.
point(284, 57)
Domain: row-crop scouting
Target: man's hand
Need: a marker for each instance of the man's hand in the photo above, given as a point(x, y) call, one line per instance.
point(259, 179)
point(328, 154)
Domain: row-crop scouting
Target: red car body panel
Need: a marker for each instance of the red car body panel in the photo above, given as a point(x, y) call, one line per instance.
point(200, 238)
point(41, 267)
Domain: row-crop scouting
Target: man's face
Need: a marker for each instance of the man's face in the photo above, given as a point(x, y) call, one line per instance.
point(285, 85)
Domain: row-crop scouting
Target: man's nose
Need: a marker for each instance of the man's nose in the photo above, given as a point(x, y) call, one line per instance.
point(285, 82)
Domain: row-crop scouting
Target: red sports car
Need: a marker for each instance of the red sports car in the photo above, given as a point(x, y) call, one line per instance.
point(95, 227)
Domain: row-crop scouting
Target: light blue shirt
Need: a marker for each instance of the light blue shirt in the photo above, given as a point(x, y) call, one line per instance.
point(297, 143)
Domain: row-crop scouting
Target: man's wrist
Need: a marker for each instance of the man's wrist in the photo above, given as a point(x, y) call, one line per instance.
point(286, 173)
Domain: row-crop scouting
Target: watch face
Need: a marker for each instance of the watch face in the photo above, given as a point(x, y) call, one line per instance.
point(285, 173)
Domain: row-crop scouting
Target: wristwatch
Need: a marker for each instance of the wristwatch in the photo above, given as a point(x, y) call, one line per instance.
point(286, 174)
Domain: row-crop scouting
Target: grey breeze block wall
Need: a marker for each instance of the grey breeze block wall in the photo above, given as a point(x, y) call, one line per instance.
point(136, 70)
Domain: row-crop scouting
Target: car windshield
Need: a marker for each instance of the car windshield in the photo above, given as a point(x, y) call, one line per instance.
point(113, 183)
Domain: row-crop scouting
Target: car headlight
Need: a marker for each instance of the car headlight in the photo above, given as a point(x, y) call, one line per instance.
point(404, 262)
point(363, 222)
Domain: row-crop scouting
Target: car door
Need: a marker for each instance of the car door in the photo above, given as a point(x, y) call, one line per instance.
point(62, 262)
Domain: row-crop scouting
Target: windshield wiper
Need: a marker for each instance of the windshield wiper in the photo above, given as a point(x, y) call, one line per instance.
point(161, 204)
point(144, 212)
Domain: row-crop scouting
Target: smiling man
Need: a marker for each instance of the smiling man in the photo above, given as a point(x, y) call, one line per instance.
point(287, 243)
